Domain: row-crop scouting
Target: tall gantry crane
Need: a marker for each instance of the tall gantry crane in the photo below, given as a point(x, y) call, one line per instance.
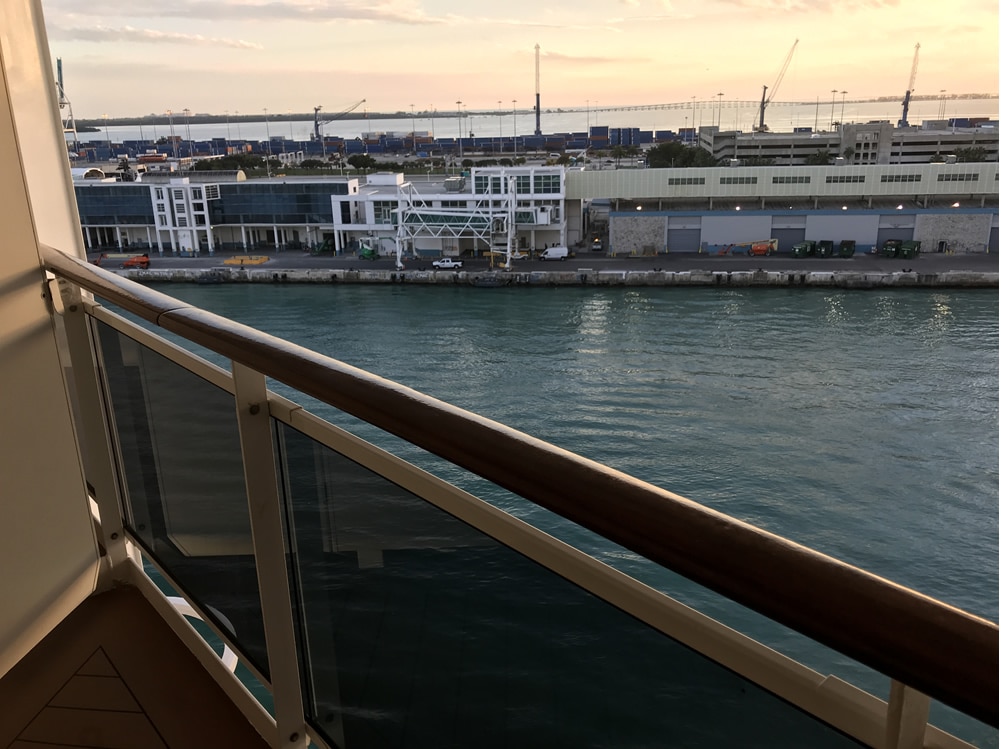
point(69, 123)
point(316, 117)
point(762, 127)
point(910, 89)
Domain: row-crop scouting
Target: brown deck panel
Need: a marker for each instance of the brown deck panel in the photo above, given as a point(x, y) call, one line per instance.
point(113, 674)
point(96, 693)
point(98, 665)
point(107, 729)
point(21, 744)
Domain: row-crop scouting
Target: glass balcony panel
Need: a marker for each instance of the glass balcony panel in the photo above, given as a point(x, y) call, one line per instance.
point(422, 631)
point(186, 499)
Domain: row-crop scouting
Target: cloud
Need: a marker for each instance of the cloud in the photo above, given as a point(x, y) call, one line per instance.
point(810, 6)
point(590, 59)
point(393, 11)
point(143, 36)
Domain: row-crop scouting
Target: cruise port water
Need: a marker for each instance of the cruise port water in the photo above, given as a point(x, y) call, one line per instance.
point(862, 424)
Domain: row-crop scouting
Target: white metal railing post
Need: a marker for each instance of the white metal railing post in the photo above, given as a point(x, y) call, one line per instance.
point(259, 470)
point(906, 717)
point(91, 425)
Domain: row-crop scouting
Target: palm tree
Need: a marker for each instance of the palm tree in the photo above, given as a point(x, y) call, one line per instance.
point(820, 158)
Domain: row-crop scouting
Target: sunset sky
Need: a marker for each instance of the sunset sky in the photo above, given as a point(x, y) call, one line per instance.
point(132, 57)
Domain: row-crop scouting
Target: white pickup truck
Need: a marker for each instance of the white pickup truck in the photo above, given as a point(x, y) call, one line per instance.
point(446, 263)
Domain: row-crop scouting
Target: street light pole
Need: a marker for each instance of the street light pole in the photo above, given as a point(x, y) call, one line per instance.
point(173, 141)
point(514, 112)
point(187, 128)
point(458, 109)
point(834, 93)
point(500, 128)
point(843, 108)
point(267, 128)
point(413, 130)
point(719, 123)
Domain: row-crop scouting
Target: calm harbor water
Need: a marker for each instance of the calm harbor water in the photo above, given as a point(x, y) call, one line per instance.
point(862, 424)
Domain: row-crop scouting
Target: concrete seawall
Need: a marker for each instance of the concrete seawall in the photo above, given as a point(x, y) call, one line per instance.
point(577, 277)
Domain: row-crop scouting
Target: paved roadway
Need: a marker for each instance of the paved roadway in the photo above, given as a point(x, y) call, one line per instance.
point(861, 263)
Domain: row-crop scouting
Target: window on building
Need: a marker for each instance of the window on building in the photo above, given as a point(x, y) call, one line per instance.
point(546, 183)
point(196, 193)
point(843, 178)
point(523, 183)
point(686, 180)
point(738, 180)
point(791, 180)
point(959, 177)
point(900, 178)
point(487, 185)
point(159, 193)
point(383, 210)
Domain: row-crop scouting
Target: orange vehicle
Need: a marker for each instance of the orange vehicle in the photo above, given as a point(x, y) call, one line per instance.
point(136, 261)
point(763, 248)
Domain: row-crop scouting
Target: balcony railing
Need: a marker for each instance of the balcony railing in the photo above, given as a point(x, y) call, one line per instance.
point(383, 606)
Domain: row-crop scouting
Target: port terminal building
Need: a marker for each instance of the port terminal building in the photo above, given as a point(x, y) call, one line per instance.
point(948, 207)
point(854, 144)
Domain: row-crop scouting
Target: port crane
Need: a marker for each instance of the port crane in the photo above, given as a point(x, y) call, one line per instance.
point(762, 127)
point(910, 89)
point(69, 123)
point(316, 118)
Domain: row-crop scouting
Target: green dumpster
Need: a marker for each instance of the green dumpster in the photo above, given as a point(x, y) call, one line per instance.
point(891, 248)
point(825, 248)
point(910, 249)
point(804, 249)
point(846, 248)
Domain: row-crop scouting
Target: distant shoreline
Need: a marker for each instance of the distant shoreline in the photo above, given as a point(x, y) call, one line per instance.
point(213, 119)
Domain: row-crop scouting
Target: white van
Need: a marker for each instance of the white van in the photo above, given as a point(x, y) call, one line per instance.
point(554, 253)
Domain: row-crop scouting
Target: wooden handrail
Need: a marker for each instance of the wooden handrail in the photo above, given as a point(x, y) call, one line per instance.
point(949, 654)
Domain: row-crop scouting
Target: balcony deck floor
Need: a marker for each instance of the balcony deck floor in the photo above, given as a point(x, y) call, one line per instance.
point(114, 675)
